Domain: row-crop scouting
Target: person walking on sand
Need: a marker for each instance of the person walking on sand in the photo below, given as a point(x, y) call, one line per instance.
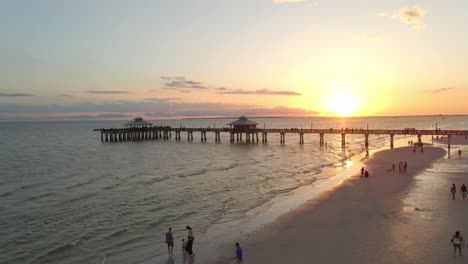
point(393, 167)
point(463, 190)
point(169, 241)
point(366, 174)
point(453, 190)
point(457, 241)
point(362, 172)
point(239, 257)
point(459, 153)
point(405, 166)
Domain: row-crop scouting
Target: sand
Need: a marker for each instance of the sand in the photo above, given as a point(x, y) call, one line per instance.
point(387, 218)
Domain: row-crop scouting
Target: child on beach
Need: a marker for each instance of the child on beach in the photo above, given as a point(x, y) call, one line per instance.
point(169, 241)
point(457, 241)
point(239, 256)
point(453, 190)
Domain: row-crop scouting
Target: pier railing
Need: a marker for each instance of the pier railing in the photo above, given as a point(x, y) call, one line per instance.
point(252, 135)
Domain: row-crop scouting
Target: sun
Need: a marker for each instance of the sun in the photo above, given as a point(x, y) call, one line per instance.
point(342, 104)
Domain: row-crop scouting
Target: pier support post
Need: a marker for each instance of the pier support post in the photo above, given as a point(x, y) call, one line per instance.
point(240, 137)
point(343, 139)
point(256, 135)
point(419, 139)
point(449, 137)
point(322, 139)
point(391, 140)
point(366, 143)
point(266, 137)
point(102, 136)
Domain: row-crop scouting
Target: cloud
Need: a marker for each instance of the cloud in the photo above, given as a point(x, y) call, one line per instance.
point(65, 95)
point(262, 92)
point(287, 1)
point(155, 99)
point(16, 94)
point(439, 90)
point(412, 15)
point(221, 89)
point(106, 92)
point(182, 83)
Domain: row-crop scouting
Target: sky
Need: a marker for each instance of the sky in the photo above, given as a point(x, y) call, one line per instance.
point(114, 59)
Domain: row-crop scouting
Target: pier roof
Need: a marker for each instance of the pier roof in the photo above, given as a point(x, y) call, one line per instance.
point(243, 121)
point(138, 122)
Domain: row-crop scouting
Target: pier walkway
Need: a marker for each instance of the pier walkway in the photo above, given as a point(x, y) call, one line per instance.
point(252, 134)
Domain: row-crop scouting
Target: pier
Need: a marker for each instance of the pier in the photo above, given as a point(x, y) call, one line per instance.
point(246, 131)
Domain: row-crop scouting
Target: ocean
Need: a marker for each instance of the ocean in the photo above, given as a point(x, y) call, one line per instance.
point(67, 197)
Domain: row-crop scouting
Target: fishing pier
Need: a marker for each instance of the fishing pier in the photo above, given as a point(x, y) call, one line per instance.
point(244, 130)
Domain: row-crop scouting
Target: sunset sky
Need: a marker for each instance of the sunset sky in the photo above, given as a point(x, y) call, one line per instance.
point(181, 58)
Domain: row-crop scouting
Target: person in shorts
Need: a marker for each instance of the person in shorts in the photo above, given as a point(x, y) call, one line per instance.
point(169, 241)
point(457, 241)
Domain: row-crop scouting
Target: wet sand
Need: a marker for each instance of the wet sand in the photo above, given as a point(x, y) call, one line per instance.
point(455, 140)
point(390, 217)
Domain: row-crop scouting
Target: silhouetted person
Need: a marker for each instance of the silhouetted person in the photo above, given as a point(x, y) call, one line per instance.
point(366, 174)
point(362, 172)
point(169, 241)
point(189, 246)
point(453, 190)
point(463, 191)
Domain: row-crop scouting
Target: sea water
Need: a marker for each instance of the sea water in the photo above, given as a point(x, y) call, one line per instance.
point(67, 197)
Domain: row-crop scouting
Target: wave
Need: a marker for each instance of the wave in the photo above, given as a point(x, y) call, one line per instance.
point(33, 198)
point(228, 167)
point(56, 251)
point(90, 181)
point(192, 173)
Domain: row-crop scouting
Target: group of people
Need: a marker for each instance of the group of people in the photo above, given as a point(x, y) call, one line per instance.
point(463, 190)
point(364, 173)
point(187, 245)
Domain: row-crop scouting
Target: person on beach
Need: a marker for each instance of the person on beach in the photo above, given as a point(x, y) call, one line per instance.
point(400, 166)
point(239, 257)
point(463, 191)
point(393, 167)
point(189, 246)
point(457, 241)
point(362, 172)
point(453, 190)
point(190, 232)
point(169, 241)
point(405, 166)
point(366, 174)
point(459, 153)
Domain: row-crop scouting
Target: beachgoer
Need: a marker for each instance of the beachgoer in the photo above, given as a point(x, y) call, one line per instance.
point(400, 166)
point(183, 244)
point(366, 174)
point(405, 166)
point(457, 241)
point(190, 232)
point(453, 190)
point(463, 190)
point(459, 153)
point(362, 172)
point(393, 167)
point(239, 257)
point(189, 246)
point(169, 241)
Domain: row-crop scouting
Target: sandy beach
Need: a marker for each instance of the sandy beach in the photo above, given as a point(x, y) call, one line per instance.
point(391, 217)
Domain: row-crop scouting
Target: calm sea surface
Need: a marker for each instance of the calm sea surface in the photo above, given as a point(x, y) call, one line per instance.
point(68, 198)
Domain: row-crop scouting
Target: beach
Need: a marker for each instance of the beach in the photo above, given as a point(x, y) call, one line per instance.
point(455, 140)
point(391, 217)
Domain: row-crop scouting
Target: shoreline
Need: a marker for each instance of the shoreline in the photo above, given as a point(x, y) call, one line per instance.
point(338, 216)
